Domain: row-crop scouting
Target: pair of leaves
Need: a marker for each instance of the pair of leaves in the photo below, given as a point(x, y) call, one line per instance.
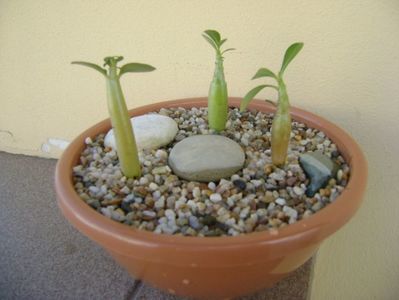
point(290, 54)
point(214, 39)
point(127, 68)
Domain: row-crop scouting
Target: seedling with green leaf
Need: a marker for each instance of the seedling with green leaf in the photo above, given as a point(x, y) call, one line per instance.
point(123, 132)
point(217, 96)
point(281, 127)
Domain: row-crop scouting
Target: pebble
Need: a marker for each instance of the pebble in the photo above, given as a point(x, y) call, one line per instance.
point(212, 186)
point(269, 197)
point(160, 203)
point(153, 186)
point(161, 170)
point(215, 197)
point(144, 181)
point(319, 168)
point(196, 192)
point(289, 211)
point(194, 222)
point(240, 184)
point(126, 202)
point(161, 154)
point(151, 131)
point(206, 158)
point(278, 175)
point(280, 201)
point(317, 206)
point(149, 215)
point(118, 215)
point(298, 191)
point(339, 175)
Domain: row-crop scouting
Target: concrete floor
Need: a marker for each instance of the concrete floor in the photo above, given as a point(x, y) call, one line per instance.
point(43, 257)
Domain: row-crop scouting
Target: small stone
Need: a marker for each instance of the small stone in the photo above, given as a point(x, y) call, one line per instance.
point(212, 186)
point(317, 206)
point(340, 174)
point(94, 190)
point(143, 181)
point(149, 215)
point(269, 197)
point(161, 170)
point(149, 201)
point(161, 154)
point(244, 213)
point(151, 131)
point(209, 220)
point(280, 201)
point(160, 203)
point(170, 214)
point(268, 169)
point(94, 203)
point(206, 158)
point(194, 222)
point(170, 202)
point(291, 181)
point(141, 191)
point(196, 192)
point(201, 206)
point(88, 141)
point(298, 191)
point(153, 186)
point(118, 215)
point(125, 190)
point(125, 205)
point(292, 213)
point(278, 175)
point(240, 184)
point(319, 168)
point(215, 197)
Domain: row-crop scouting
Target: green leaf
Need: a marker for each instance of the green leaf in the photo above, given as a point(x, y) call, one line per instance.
point(263, 72)
point(290, 54)
point(90, 65)
point(222, 42)
point(135, 67)
point(250, 95)
point(229, 49)
point(211, 42)
point(214, 35)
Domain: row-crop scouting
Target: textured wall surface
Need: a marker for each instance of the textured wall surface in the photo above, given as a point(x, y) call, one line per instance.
point(347, 72)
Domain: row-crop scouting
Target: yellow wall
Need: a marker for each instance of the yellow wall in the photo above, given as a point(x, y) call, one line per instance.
point(348, 72)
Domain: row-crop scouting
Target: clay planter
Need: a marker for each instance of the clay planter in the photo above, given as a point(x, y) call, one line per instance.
point(213, 267)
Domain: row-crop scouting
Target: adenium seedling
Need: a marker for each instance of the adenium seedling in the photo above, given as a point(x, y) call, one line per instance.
point(217, 96)
point(123, 132)
point(281, 127)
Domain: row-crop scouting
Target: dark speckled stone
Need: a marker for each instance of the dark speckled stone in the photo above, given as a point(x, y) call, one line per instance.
point(319, 168)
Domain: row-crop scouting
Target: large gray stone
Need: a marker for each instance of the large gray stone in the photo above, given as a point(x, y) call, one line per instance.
point(206, 158)
point(319, 168)
point(151, 131)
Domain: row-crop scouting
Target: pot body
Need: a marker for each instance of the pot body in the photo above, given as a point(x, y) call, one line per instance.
point(217, 267)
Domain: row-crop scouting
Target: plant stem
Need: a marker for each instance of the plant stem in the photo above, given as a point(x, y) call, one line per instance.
point(123, 132)
point(281, 127)
point(217, 98)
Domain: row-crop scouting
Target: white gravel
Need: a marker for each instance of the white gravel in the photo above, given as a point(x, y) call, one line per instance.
point(259, 197)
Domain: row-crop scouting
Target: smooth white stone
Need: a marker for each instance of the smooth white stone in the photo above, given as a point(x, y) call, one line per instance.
point(150, 131)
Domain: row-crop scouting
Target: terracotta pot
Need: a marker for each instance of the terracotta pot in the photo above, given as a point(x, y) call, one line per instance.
point(213, 267)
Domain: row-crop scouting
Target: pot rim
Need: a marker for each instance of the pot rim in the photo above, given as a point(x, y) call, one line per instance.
point(330, 218)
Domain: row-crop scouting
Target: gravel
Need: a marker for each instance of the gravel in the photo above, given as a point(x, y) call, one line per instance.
point(259, 197)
